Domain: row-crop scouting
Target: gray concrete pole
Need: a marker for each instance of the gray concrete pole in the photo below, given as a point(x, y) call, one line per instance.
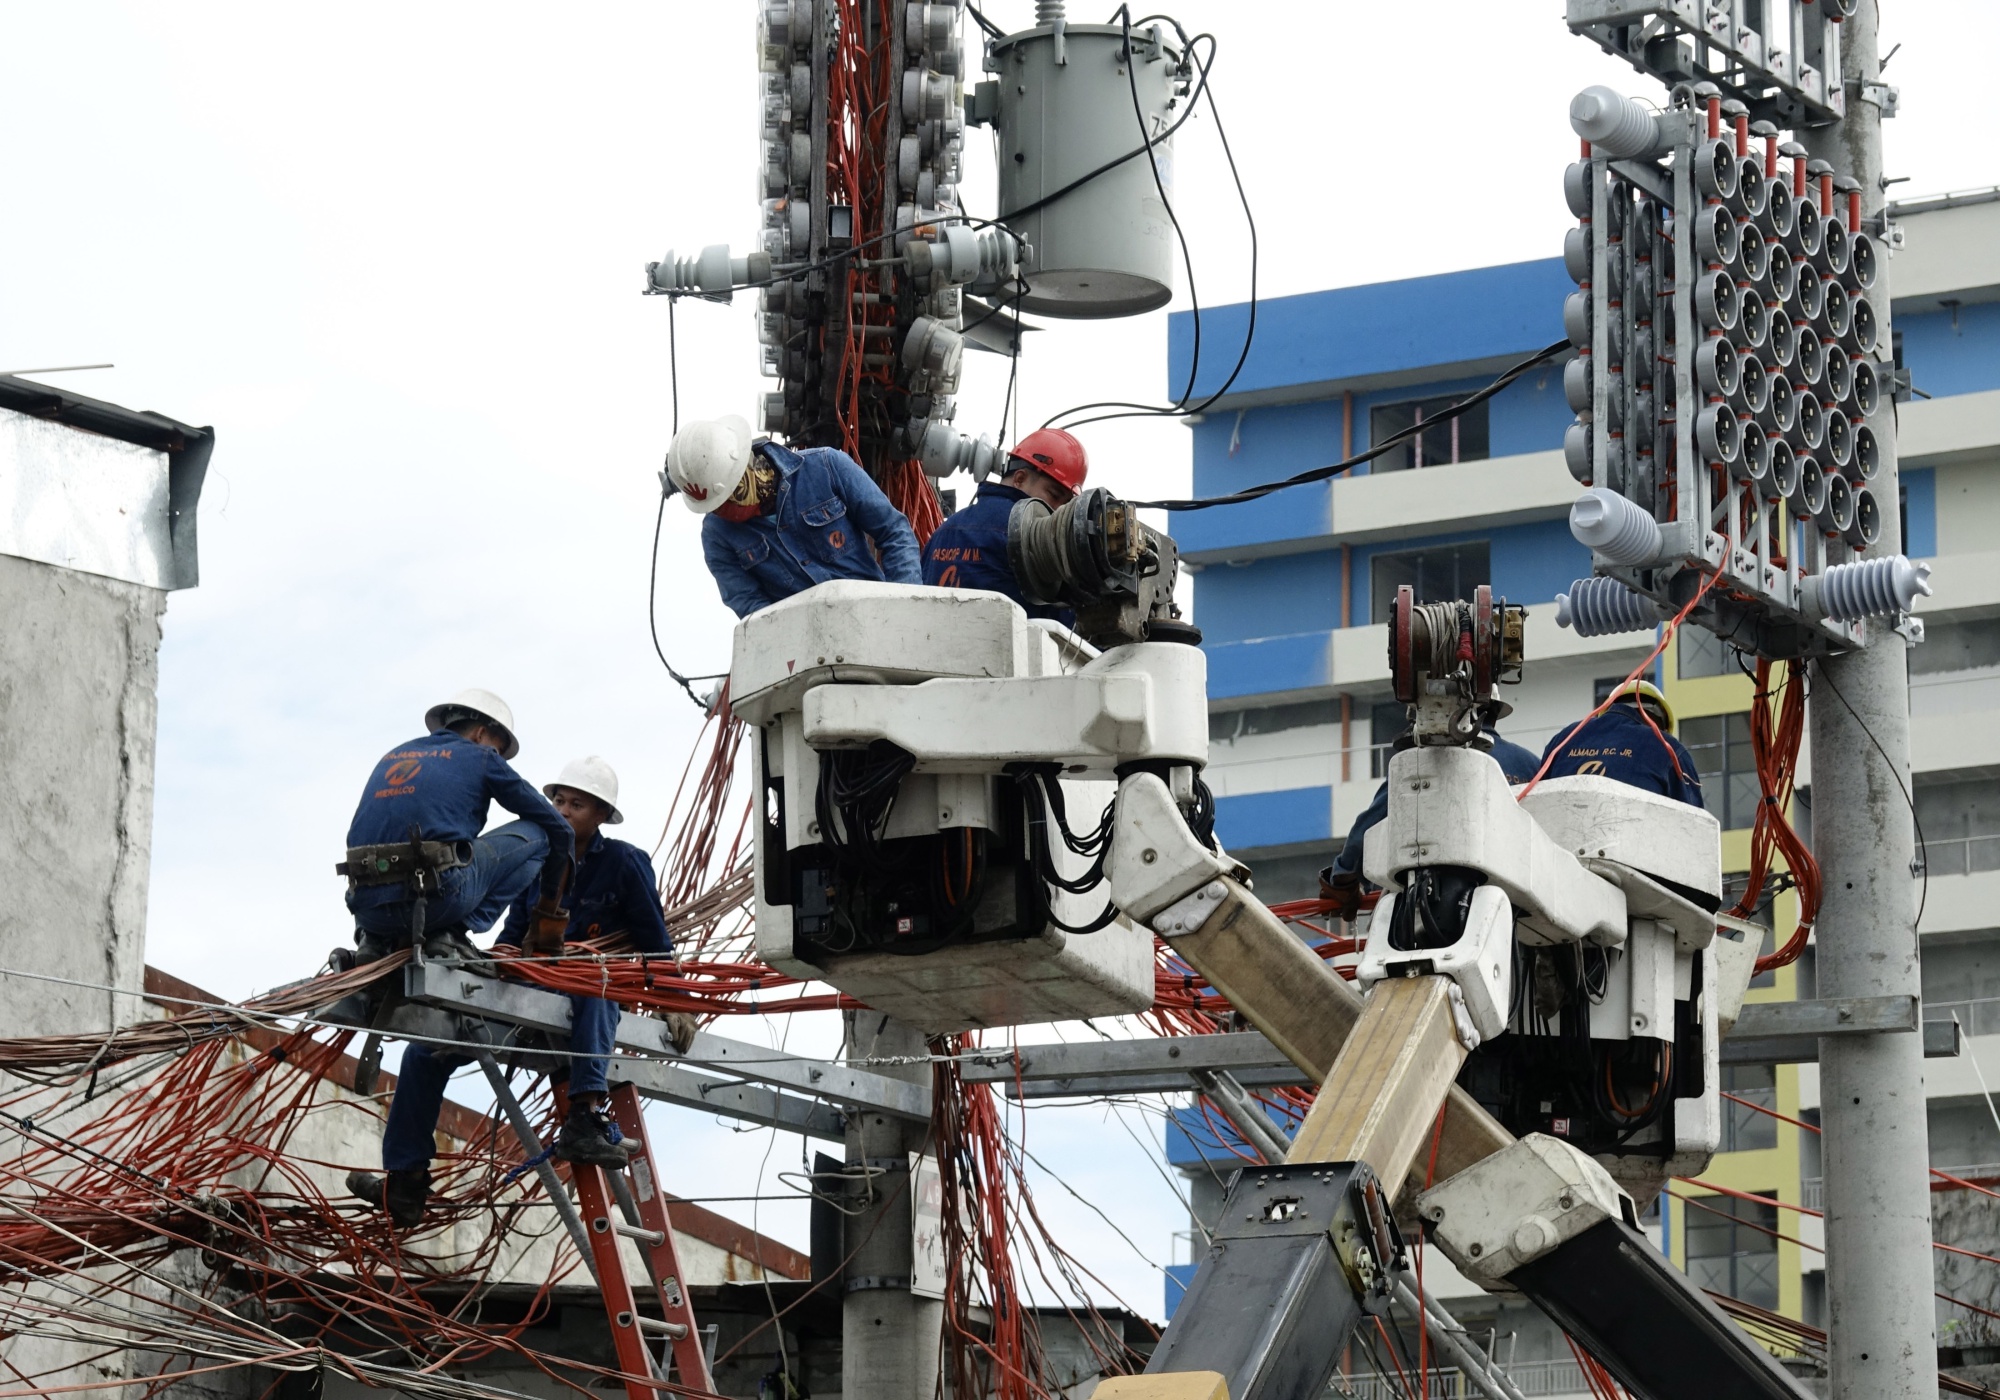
point(890, 1337)
point(1881, 1323)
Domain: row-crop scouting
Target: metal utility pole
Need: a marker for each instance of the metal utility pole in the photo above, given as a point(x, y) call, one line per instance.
point(1881, 1325)
point(890, 1337)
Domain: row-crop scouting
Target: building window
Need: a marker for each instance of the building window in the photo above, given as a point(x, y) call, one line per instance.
point(1961, 824)
point(1386, 724)
point(1744, 1129)
point(1731, 1250)
point(1459, 439)
point(1227, 725)
point(1437, 575)
point(1721, 748)
point(1702, 653)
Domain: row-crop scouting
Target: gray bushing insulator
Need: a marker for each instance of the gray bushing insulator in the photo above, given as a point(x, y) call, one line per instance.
point(1597, 607)
point(1614, 123)
point(1872, 588)
point(1618, 529)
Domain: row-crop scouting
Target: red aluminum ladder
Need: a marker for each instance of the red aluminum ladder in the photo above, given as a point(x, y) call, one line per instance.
point(629, 1204)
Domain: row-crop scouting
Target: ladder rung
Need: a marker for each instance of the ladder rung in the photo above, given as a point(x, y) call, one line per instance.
point(654, 1238)
point(659, 1327)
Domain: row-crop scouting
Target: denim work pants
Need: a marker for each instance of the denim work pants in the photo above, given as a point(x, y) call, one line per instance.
point(410, 1139)
point(505, 861)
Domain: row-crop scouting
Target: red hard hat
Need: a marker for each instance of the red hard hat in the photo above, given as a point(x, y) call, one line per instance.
point(1055, 452)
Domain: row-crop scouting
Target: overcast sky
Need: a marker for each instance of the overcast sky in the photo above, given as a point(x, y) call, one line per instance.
point(393, 254)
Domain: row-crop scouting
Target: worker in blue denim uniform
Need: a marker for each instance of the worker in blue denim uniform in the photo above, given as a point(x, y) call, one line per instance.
point(1342, 881)
point(612, 891)
point(426, 805)
point(780, 521)
point(417, 844)
point(970, 549)
point(1621, 743)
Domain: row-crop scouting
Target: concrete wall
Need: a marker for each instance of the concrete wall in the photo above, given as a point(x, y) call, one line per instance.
point(79, 661)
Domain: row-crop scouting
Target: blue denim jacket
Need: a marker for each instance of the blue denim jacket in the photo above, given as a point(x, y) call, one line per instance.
point(970, 550)
point(613, 892)
point(828, 511)
point(443, 785)
point(1620, 744)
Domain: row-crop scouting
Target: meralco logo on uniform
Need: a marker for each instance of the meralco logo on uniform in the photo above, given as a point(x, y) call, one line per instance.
point(399, 777)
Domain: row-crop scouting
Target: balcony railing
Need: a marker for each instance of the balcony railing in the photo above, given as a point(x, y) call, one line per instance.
point(1962, 855)
point(1978, 1016)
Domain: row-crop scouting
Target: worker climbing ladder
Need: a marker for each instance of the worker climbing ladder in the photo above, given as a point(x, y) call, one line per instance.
point(611, 1204)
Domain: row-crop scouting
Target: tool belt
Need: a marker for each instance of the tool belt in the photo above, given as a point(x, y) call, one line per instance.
point(403, 862)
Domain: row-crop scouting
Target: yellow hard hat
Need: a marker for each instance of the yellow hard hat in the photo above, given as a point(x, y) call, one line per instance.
point(1646, 693)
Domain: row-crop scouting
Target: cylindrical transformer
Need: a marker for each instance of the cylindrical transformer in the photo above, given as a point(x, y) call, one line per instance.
point(1106, 248)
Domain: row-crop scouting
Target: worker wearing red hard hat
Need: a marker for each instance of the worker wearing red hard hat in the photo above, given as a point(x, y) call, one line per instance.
point(970, 549)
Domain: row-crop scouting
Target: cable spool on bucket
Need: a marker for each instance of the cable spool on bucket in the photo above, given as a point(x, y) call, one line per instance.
point(1447, 658)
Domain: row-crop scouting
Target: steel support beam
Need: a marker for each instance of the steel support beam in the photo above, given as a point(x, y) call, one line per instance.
point(496, 999)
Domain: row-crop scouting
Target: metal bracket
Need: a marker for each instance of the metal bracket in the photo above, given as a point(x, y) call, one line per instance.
point(1789, 1032)
point(1881, 95)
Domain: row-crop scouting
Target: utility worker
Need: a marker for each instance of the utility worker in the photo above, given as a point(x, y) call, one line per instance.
point(970, 549)
point(1621, 743)
point(613, 891)
point(1342, 881)
point(780, 521)
point(416, 835)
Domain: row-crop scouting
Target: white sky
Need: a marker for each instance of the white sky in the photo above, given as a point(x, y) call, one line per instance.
point(393, 253)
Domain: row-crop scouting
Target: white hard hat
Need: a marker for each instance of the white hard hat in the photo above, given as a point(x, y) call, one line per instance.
point(708, 459)
point(593, 775)
point(487, 706)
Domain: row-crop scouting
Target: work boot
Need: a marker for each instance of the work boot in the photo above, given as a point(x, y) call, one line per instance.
point(371, 947)
point(590, 1137)
point(403, 1194)
point(455, 945)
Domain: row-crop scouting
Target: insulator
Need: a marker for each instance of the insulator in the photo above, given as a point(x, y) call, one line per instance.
point(1837, 518)
point(1618, 125)
point(1597, 607)
point(1576, 188)
point(712, 272)
point(1614, 527)
point(1753, 384)
point(1577, 450)
point(1716, 238)
point(1867, 453)
point(1049, 11)
point(1717, 435)
point(1872, 587)
point(1783, 483)
point(931, 355)
point(1810, 498)
point(1753, 253)
point(1715, 169)
point(1576, 318)
point(988, 258)
point(1867, 525)
point(1715, 367)
point(1751, 187)
point(1715, 302)
point(1867, 386)
point(1862, 266)
point(1863, 330)
point(944, 451)
point(1577, 385)
point(1753, 461)
point(1780, 210)
point(1576, 253)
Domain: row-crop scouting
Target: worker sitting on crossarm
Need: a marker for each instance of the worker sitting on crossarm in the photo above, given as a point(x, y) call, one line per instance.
point(1342, 881)
point(970, 549)
point(1632, 741)
point(613, 891)
point(780, 521)
point(417, 833)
